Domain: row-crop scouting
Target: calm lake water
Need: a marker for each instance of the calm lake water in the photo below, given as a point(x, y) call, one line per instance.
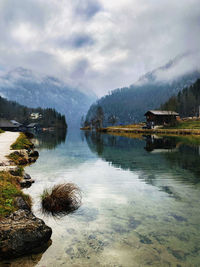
point(140, 200)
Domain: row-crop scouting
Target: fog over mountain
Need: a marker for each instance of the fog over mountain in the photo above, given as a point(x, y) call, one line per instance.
point(182, 65)
point(71, 49)
point(34, 90)
point(128, 104)
point(95, 45)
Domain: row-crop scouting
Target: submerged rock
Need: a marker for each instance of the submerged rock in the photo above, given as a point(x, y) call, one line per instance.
point(26, 183)
point(144, 239)
point(133, 223)
point(26, 176)
point(178, 218)
point(22, 233)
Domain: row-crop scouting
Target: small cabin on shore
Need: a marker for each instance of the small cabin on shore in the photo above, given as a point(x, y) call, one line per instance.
point(8, 125)
point(161, 117)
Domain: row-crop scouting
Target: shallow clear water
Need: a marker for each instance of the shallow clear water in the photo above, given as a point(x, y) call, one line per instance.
point(140, 204)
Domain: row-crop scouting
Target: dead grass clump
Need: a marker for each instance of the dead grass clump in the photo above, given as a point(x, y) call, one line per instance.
point(61, 199)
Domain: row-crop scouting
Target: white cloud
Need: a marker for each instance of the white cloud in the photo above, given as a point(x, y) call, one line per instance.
point(24, 33)
point(97, 45)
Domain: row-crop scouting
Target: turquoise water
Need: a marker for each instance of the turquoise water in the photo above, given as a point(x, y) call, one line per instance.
point(140, 201)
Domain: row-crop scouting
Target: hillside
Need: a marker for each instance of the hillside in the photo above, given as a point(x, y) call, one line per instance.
point(128, 105)
point(34, 90)
point(186, 102)
point(13, 111)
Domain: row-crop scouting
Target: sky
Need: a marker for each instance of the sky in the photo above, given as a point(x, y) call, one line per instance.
point(99, 45)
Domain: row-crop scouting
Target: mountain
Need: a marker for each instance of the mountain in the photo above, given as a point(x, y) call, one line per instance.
point(34, 90)
point(128, 105)
point(186, 102)
point(13, 111)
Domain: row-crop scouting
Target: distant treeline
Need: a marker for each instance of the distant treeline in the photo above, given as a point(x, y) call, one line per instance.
point(186, 102)
point(13, 111)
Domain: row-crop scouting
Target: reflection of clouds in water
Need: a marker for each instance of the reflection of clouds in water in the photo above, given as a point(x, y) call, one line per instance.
point(102, 193)
point(99, 183)
point(132, 214)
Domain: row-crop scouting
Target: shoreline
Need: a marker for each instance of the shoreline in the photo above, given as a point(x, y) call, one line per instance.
point(21, 233)
point(149, 131)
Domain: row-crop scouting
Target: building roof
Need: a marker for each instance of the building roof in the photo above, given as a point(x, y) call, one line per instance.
point(33, 124)
point(6, 124)
point(162, 112)
point(16, 123)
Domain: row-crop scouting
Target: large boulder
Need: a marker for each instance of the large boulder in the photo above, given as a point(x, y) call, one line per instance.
point(22, 233)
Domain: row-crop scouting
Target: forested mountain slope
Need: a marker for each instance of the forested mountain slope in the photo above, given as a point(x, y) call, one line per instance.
point(128, 105)
point(186, 102)
point(13, 111)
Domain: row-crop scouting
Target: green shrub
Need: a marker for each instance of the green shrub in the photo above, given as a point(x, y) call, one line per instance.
point(22, 142)
point(9, 190)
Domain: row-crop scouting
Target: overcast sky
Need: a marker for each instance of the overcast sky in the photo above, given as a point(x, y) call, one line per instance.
point(96, 45)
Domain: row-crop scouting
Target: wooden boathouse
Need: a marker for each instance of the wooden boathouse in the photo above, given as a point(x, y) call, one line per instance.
point(161, 117)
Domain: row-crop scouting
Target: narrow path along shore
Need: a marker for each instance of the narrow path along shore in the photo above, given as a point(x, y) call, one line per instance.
point(21, 232)
point(6, 140)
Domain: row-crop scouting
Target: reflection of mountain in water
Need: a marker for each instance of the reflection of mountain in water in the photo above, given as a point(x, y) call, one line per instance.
point(133, 154)
point(188, 158)
point(49, 139)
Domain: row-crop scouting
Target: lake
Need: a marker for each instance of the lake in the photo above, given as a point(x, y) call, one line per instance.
point(140, 200)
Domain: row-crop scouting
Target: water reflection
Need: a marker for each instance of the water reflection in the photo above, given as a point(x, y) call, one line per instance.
point(49, 139)
point(138, 209)
point(160, 144)
point(29, 260)
point(150, 154)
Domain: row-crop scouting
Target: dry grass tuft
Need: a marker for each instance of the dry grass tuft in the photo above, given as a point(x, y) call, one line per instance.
point(61, 199)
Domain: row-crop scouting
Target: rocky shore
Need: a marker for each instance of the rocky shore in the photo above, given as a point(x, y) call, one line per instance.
point(21, 232)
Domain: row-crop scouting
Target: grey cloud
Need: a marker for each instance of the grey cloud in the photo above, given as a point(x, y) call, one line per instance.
point(37, 61)
point(99, 45)
point(82, 40)
point(79, 69)
point(78, 40)
point(87, 8)
point(12, 12)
